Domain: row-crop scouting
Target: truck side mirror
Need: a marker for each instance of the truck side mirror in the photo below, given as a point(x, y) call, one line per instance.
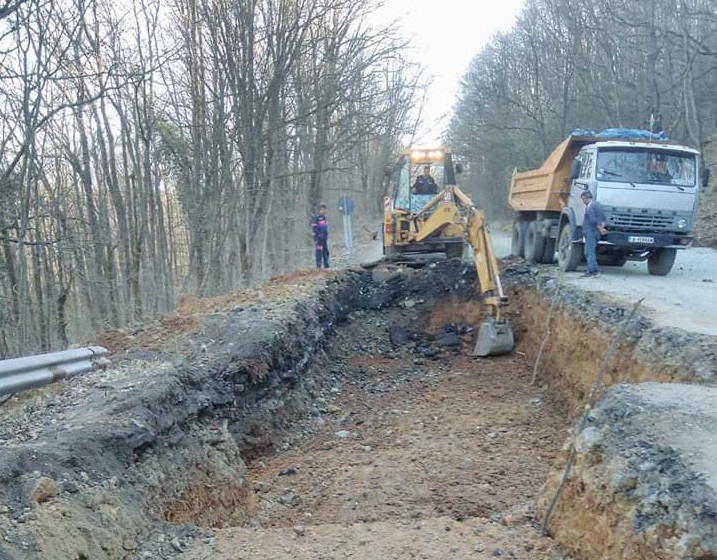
point(575, 170)
point(705, 176)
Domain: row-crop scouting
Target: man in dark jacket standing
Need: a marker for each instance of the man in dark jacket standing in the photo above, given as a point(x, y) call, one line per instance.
point(320, 230)
point(593, 228)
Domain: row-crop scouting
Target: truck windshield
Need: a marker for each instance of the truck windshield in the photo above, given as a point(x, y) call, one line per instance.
point(647, 166)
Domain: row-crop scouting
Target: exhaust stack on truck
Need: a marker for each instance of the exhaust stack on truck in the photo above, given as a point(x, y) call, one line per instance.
point(648, 188)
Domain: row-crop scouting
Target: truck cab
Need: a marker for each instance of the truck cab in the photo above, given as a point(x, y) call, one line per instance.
point(649, 194)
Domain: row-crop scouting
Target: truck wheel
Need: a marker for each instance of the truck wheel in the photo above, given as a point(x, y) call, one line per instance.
point(661, 261)
point(534, 244)
point(569, 254)
point(517, 242)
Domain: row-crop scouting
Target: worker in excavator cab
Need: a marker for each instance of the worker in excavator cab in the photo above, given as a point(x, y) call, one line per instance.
point(425, 184)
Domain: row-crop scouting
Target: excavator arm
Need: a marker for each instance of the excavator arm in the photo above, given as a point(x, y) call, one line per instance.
point(486, 265)
point(442, 217)
point(495, 335)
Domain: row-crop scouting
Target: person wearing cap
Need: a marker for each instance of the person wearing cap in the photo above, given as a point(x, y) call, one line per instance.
point(593, 228)
point(320, 230)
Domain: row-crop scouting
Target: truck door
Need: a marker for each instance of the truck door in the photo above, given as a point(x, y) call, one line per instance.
point(581, 183)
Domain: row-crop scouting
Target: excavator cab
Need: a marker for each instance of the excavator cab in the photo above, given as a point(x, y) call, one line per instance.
point(410, 164)
point(408, 170)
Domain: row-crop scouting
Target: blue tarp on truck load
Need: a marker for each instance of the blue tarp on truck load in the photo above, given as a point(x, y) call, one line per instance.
point(625, 133)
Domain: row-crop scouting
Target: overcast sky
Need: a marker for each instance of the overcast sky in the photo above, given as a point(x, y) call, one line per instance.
point(448, 34)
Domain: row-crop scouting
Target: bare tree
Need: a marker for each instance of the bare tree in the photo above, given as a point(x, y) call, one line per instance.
point(141, 161)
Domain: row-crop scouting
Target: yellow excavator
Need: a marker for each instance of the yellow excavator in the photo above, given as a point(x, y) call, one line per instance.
point(420, 227)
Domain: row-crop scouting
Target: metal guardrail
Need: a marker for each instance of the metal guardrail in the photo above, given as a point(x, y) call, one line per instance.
point(21, 374)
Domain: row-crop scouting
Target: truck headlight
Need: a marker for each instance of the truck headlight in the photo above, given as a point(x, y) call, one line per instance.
point(681, 223)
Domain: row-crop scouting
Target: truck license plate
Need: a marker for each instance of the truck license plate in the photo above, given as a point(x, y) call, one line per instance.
point(641, 239)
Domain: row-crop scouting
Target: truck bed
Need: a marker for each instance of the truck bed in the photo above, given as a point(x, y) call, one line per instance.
point(546, 188)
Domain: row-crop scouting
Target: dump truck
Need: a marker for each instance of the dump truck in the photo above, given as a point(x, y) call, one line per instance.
point(648, 188)
point(419, 228)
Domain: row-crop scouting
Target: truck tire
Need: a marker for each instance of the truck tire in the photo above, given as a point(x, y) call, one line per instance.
point(569, 254)
point(661, 261)
point(534, 244)
point(517, 242)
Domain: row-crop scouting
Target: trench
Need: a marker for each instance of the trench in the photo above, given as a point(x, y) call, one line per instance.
point(346, 406)
point(366, 410)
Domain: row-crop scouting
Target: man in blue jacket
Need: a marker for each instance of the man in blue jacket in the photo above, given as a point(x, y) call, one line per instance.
point(593, 228)
point(320, 229)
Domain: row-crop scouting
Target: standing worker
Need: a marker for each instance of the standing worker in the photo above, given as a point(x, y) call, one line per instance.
point(320, 230)
point(593, 228)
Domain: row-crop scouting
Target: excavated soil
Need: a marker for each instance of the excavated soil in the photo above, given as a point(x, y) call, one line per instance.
point(339, 414)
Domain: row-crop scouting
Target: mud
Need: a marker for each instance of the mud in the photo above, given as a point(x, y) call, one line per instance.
point(180, 436)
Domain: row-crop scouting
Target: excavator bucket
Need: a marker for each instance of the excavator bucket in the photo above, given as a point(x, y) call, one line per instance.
point(493, 338)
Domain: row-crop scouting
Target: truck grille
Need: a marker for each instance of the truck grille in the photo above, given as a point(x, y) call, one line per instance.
point(627, 220)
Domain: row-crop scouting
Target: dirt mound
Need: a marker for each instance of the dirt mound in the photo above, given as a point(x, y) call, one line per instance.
point(643, 445)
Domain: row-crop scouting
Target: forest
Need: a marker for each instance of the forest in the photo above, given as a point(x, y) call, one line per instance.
point(155, 148)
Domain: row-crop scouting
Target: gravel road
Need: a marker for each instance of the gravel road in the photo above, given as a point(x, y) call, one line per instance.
point(686, 298)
